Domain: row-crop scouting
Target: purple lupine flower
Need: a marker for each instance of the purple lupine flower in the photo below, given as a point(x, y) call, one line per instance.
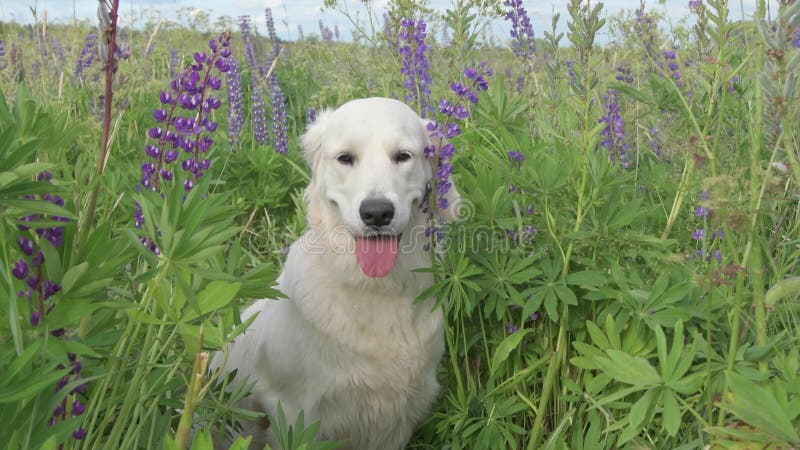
point(732, 83)
point(279, 122)
point(389, 29)
point(614, 132)
point(796, 37)
point(20, 270)
point(512, 328)
point(85, 57)
point(412, 48)
point(78, 408)
point(123, 48)
point(258, 105)
point(57, 49)
point(522, 43)
point(271, 34)
point(701, 211)
point(695, 5)
point(570, 70)
point(30, 268)
point(235, 104)
point(529, 232)
point(670, 66)
point(655, 141)
point(260, 131)
point(192, 91)
point(624, 74)
point(311, 115)
point(698, 234)
point(41, 44)
point(646, 31)
point(443, 152)
point(249, 45)
point(174, 64)
point(517, 158)
point(325, 32)
point(15, 60)
point(3, 62)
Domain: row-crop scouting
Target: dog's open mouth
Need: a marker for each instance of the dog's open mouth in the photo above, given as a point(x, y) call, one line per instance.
point(376, 254)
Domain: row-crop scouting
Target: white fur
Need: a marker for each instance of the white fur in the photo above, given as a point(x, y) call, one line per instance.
point(352, 351)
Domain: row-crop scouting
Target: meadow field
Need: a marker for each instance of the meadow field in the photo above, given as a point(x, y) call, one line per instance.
point(625, 272)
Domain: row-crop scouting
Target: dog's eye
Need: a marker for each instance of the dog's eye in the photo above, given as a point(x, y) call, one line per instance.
point(402, 156)
point(345, 158)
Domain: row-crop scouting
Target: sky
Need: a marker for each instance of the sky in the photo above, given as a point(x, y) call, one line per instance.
point(289, 14)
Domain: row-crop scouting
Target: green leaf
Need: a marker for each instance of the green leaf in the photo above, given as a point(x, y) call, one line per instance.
point(202, 441)
point(642, 410)
point(587, 278)
point(629, 369)
point(672, 413)
point(49, 444)
point(37, 206)
point(504, 349)
point(21, 361)
point(216, 295)
point(758, 407)
point(661, 342)
point(169, 443)
point(242, 443)
point(31, 386)
point(73, 275)
point(566, 295)
point(597, 335)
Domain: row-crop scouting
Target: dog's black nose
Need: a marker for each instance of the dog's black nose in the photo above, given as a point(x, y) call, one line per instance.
point(376, 212)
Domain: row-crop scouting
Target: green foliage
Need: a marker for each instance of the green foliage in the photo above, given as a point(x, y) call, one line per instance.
point(585, 307)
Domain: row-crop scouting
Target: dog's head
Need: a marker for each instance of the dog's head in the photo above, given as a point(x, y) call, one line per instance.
point(369, 176)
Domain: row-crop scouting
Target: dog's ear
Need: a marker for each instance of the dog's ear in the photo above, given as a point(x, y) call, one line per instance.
point(311, 140)
point(452, 196)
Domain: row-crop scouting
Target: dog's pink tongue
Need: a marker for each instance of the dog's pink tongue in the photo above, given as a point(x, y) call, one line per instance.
point(376, 255)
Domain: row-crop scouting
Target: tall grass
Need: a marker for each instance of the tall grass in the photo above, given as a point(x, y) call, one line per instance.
point(624, 274)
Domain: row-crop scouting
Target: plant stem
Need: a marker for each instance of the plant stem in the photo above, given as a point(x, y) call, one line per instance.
point(110, 33)
point(549, 382)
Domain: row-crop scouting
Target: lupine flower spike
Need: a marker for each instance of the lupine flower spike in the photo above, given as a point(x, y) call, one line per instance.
point(192, 94)
point(522, 42)
point(614, 132)
point(415, 64)
point(442, 151)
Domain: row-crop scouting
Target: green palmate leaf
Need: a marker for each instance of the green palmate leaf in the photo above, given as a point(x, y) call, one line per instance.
point(629, 369)
point(758, 407)
point(504, 349)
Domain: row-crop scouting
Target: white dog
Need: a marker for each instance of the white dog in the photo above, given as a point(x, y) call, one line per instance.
point(349, 346)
